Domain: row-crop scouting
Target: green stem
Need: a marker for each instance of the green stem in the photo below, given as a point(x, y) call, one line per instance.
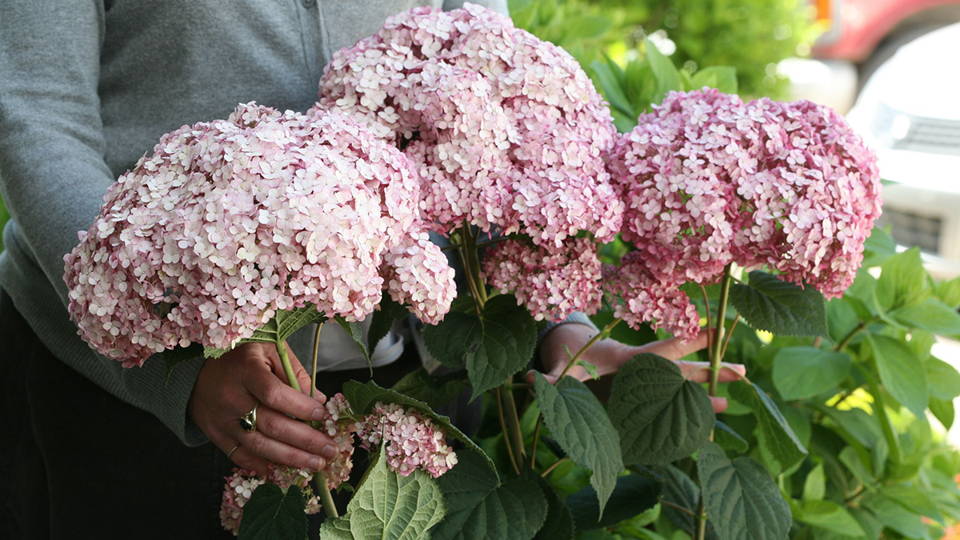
point(506, 437)
point(701, 520)
point(716, 361)
point(513, 421)
point(471, 265)
point(849, 337)
point(603, 334)
point(287, 367)
point(726, 343)
point(892, 441)
point(706, 309)
point(316, 353)
point(319, 477)
point(536, 439)
point(326, 498)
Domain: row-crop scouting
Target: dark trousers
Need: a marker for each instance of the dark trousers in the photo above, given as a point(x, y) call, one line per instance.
point(78, 463)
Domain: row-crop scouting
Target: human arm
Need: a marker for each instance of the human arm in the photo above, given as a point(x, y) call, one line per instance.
point(609, 355)
point(53, 177)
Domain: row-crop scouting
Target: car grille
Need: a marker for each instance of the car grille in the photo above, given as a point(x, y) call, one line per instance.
point(933, 135)
point(910, 229)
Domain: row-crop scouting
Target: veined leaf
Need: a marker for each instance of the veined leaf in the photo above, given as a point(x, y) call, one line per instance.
point(479, 507)
point(804, 372)
point(741, 499)
point(660, 416)
point(776, 434)
point(274, 513)
point(780, 307)
point(900, 372)
point(388, 506)
point(581, 426)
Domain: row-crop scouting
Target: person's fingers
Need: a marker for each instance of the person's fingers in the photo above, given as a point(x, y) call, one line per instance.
point(294, 433)
point(719, 404)
point(273, 393)
point(699, 372)
point(278, 452)
point(675, 348)
point(237, 454)
point(245, 459)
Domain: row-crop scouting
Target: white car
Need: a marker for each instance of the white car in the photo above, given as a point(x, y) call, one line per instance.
point(909, 113)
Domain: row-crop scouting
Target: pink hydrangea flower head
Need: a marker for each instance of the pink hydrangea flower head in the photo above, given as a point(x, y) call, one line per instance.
point(241, 484)
point(677, 172)
point(410, 440)
point(551, 282)
point(709, 180)
point(506, 130)
point(228, 221)
point(814, 195)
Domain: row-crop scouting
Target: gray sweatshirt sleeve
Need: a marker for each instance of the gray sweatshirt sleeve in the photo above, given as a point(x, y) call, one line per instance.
point(53, 175)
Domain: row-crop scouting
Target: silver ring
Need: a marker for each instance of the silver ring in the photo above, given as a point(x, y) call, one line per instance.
point(248, 422)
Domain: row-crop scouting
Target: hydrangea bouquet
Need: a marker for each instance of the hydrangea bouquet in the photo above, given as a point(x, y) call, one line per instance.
point(455, 131)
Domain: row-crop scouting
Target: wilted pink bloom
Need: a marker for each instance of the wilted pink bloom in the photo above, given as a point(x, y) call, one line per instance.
point(410, 440)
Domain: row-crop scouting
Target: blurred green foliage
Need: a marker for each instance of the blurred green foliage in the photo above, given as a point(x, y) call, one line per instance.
point(634, 87)
point(748, 35)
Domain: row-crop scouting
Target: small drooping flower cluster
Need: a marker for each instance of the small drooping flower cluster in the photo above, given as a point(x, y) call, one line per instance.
point(231, 220)
point(410, 440)
point(709, 180)
point(646, 299)
point(507, 132)
point(338, 427)
point(242, 483)
point(543, 278)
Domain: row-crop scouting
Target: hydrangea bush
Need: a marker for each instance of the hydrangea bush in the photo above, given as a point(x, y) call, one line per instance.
point(460, 126)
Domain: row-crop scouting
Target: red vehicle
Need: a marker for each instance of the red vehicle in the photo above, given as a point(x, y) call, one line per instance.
point(868, 31)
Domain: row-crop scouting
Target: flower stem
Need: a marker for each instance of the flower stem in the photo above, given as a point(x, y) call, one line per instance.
point(603, 334)
point(716, 361)
point(287, 367)
point(316, 352)
point(506, 438)
point(319, 477)
point(326, 498)
point(512, 421)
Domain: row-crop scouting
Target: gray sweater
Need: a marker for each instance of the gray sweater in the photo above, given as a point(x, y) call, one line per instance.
point(88, 86)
